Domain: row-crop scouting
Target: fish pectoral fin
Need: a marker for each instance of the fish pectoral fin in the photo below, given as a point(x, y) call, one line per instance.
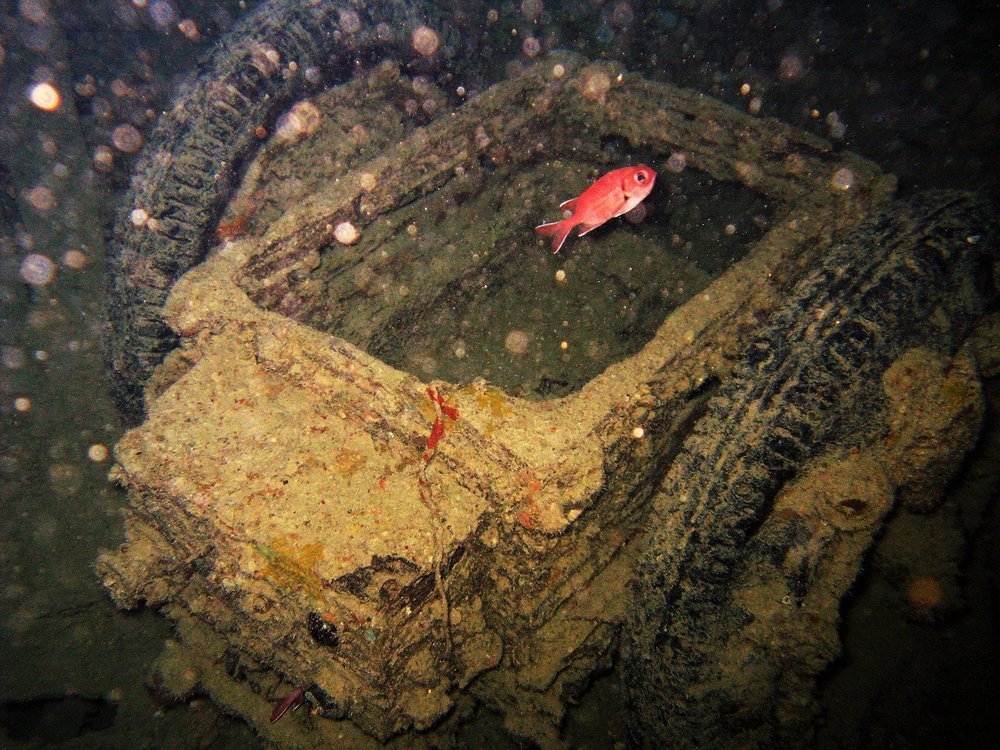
point(621, 208)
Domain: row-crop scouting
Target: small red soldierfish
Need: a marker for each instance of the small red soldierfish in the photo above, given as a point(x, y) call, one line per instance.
point(614, 194)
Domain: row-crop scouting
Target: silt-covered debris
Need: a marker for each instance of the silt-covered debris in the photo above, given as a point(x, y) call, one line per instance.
point(314, 518)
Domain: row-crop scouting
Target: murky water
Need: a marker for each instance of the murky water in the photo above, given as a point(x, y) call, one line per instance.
point(912, 87)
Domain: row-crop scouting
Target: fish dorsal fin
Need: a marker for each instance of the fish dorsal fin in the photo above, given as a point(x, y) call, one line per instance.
point(569, 205)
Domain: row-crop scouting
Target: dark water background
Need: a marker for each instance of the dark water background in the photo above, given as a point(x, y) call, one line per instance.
point(911, 85)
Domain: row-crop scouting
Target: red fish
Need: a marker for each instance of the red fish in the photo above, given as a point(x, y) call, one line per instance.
point(612, 195)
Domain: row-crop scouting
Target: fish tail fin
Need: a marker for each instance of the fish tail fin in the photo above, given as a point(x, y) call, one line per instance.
point(558, 231)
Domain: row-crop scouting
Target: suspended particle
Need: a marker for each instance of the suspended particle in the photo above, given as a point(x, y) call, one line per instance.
point(677, 161)
point(41, 198)
point(87, 87)
point(65, 479)
point(421, 85)
point(350, 21)
point(162, 13)
point(303, 119)
point(532, 9)
point(924, 593)
point(596, 86)
point(122, 90)
point(266, 59)
point(34, 11)
point(622, 16)
point(12, 357)
point(45, 96)
point(637, 215)
point(37, 269)
point(838, 128)
point(346, 233)
point(791, 68)
point(795, 163)
point(104, 159)
point(127, 138)
point(531, 46)
point(97, 453)
point(843, 179)
point(425, 41)
point(189, 29)
point(74, 259)
point(517, 342)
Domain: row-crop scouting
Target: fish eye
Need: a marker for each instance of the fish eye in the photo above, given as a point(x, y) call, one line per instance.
point(640, 176)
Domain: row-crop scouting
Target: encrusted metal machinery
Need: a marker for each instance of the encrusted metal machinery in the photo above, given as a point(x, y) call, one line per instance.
point(289, 508)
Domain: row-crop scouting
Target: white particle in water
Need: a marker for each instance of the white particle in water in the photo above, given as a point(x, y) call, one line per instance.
point(350, 21)
point(425, 41)
point(12, 357)
point(97, 452)
point(843, 179)
point(37, 269)
point(45, 96)
point(517, 342)
point(74, 259)
point(346, 233)
point(677, 162)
